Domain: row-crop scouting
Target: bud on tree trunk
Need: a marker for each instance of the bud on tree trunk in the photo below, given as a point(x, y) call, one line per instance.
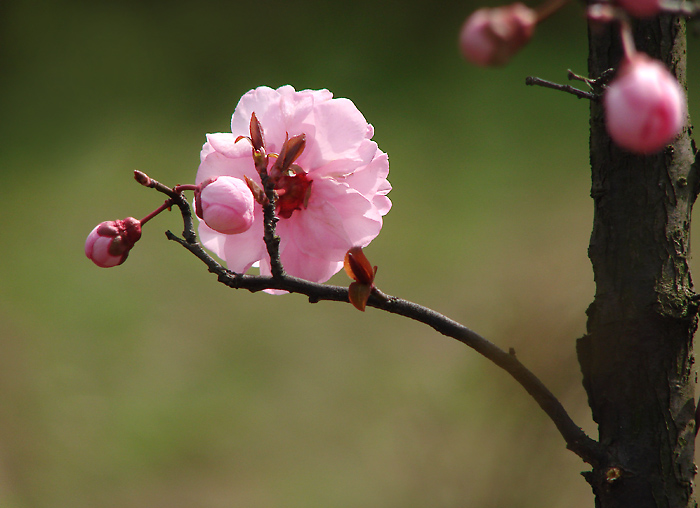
point(637, 357)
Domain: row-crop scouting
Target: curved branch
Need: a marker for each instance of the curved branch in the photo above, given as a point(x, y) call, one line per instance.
point(576, 440)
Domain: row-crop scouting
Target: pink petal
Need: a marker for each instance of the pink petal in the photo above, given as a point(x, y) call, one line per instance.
point(370, 178)
point(340, 129)
point(211, 240)
point(241, 251)
point(302, 265)
point(217, 164)
point(336, 219)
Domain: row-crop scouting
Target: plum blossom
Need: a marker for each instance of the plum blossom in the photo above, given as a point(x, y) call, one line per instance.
point(645, 106)
point(335, 198)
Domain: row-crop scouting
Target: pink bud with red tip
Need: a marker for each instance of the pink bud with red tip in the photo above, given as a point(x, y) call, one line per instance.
point(641, 8)
point(110, 242)
point(225, 204)
point(491, 36)
point(645, 107)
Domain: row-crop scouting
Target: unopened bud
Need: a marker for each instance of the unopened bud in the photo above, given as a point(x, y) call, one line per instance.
point(645, 107)
point(491, 36)
point(109, 243)
point(225, 204)
point(142, 178)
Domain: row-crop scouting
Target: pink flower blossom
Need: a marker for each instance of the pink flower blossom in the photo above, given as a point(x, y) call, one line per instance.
point(225, 204)
point(645, 106)
point(109, 243)
point(641, 8)
point(491, 36)
point(335, 199)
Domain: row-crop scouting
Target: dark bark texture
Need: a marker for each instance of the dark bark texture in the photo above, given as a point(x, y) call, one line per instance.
point(637, 357)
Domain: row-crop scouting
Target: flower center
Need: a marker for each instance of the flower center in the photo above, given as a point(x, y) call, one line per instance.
point(293, 189)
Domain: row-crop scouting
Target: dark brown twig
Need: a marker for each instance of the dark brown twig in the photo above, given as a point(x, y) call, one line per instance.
point(577, 441)
point(535, 81)
point(261, 158)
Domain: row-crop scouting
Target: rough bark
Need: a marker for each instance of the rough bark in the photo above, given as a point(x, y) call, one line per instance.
point(637, 358)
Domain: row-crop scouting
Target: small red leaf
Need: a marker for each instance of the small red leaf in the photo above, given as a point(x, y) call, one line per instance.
point(257, 139)
point(358, 294)
point(358, 267)
point(258, 192)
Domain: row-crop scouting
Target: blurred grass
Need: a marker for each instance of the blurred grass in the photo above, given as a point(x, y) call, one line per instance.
point(151, 385)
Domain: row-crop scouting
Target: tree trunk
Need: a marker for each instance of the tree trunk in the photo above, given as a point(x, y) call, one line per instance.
point(637, 357)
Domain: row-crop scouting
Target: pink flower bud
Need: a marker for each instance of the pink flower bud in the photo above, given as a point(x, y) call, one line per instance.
point(110, 242)
point(641, 8)
point(645, 106)
point(225, 204)
point(491, 36)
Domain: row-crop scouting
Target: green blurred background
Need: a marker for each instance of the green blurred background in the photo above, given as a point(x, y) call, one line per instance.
point(150, 385)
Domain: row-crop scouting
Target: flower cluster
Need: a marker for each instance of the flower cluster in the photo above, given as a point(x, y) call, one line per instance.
point(312, 156)
point(331, 193)
point(645, 107)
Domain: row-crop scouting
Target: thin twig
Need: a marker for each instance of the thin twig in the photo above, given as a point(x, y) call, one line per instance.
point(272, 240)
point(261, 158)
point(577, 440)
point(535, 81)
point(177, 198)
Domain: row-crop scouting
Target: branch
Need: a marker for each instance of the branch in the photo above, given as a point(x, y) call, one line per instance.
point(535, 81)
point(596, 85)
point(576, 440)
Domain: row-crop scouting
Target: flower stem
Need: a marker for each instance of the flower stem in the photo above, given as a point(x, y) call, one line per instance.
point(176, 198)
point(628, 45)
point(165, 206)
point(182, 188)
